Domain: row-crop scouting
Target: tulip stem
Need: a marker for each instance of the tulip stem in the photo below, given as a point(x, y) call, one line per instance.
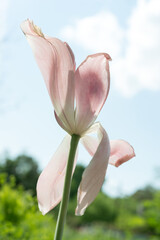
point(66, 191)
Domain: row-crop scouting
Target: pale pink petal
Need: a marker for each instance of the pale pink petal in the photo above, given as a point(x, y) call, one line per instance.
point(94, 174)
point(90, 143)
point(61, 124)
point(121, 151)
point(92, 86)
point(51, 181)
point(72, 55)
point(56, 62)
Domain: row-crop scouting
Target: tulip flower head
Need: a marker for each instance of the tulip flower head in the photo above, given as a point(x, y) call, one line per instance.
point(77, 96)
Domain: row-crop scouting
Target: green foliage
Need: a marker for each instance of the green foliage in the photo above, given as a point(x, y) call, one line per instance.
point(136, 217)
point(143, 194)
point(19, 215)
point(140, 213)
point(24, 169)
point(94, 213)
point(152, 214)
point(95, 233)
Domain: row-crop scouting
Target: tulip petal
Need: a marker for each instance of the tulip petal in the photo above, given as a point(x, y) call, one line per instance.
point(94, 174)
point(121, 151)
point(90, 143)
point(51, 181)
point(61, 124)
point(56, 62)
point(72, 54)
point(92, 82)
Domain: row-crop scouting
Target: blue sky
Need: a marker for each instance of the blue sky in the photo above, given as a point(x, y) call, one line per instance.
point(127, 30)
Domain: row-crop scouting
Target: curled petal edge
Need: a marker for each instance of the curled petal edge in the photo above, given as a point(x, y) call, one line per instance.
point(57, 65)
point(121, 151)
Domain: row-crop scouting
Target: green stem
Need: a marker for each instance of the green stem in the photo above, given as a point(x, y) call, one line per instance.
point(66, 191)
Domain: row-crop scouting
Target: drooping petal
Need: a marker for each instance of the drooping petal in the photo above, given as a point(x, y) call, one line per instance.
point(51, 181)
point(56, 62)
point(91, 89)
point(90, 143)
point(94, 174)
point(121, 151)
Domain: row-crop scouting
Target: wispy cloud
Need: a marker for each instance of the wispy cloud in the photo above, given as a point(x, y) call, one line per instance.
point(97, 33)
point(135, 50)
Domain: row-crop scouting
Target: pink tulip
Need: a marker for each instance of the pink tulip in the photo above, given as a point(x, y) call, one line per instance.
point(77, 96)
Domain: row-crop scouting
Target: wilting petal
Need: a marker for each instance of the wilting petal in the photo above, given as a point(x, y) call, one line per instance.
point(57, 64)
point(92, 86)
point(121, 151)
point(51, 181)
point(94, 174)
point(90, 143)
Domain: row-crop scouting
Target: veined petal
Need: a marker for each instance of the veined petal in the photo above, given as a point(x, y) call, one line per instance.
point(94, 174)
point(61, 124)
point(92, 82)
point(51, 181)
point(56, 62)
point(121, 151)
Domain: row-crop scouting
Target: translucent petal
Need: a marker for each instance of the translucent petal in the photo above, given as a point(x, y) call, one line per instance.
point(51, 181)
point(94, 174)
point(91, 89)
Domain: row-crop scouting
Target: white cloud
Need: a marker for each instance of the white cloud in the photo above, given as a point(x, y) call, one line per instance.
point(140, 67)
point(135, 50)
point(97, 33)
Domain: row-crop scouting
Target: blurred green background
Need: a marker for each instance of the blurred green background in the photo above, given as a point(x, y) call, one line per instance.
point(131, 217)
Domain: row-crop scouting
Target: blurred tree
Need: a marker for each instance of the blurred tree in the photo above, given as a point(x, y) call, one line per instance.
point(24, 169)
point(103, 208)
point(152, 214)
point(76, 180)
point(146, 193)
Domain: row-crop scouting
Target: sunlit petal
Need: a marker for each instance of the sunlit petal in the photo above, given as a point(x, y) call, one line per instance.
point(121, 151)
point(51, 181)
point(90, 143)
point(92, 86)
point(57, 64)
point(94, 174)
